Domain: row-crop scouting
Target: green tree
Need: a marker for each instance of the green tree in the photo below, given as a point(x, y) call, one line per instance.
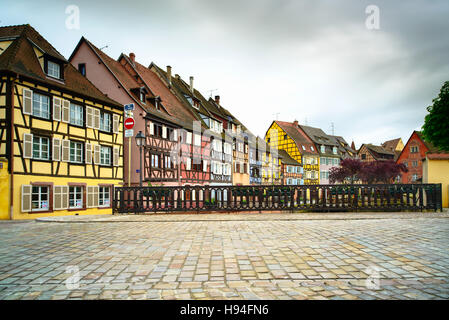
point(436, 122)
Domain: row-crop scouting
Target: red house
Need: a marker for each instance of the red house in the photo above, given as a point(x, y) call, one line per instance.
point(412, 155)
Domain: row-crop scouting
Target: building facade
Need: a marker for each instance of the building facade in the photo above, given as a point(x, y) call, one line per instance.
point(61, 136)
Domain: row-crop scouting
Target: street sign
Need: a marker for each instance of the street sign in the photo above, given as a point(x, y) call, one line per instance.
point(129, 123)
point(129, 133)
point(129, 107)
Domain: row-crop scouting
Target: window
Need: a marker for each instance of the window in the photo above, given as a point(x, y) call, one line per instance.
point(82, 68)
point(334, 150)
point(76, 152)
point(53, 69)
point(104, 197)
point(155, 160)
point(414, 163)
point(105, 122)
point(168, 163)
point(323, 149)
point(105, 156)
point(311, 148)
point(76, 114)
point(303, 148)
point(40, 196)
point(142, 96)
point(405, 163)
point(285, 137)
point(41, 147)
point(363, 156)
point(75, 197)
point(414, 149)
point(414, 177)
point(41, 106)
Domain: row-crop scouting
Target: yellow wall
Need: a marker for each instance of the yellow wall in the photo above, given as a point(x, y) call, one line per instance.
point(4, 190)
point(437, 171)
point(20, 180)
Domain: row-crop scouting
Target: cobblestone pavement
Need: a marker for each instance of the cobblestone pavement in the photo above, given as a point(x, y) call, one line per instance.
point(402, 256)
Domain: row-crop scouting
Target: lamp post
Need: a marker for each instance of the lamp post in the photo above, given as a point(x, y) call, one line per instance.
point(140, 141)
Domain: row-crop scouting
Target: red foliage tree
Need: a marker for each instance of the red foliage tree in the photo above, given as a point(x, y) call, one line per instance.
point(348, 171)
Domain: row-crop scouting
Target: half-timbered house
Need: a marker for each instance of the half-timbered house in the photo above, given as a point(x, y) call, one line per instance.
point(61, 136)
point(120, 80)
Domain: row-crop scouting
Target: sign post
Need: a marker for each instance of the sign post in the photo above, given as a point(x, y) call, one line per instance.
point(129, 122)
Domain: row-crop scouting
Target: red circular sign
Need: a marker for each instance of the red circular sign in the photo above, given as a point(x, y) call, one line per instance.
point(129, 123)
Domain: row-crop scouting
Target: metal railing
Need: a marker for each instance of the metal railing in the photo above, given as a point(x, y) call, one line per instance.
point(378, 197)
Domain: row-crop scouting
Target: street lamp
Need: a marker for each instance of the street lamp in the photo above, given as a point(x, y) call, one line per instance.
point(140, 141)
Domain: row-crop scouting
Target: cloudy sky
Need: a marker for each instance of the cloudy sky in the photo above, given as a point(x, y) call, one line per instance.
point(314, 61)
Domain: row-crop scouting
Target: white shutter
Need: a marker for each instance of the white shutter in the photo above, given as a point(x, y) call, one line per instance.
point(97, 150)
point(57, 198)
point(26, 197)
point(65, 150)
point(90, 197)
point(89, 117)
point(164, 132)
point(189, 138)
point(188, 163)
point(151, 128)
point(65, 111)
point(116, 156)
point(56, 109)
point(96, 196)
point(65, 197)
point(88, 153)
point(27, 106)
point(27, 145)
point(205, 165)
point(115, 123)
point(197, 140)
point(175, 135)
point(56, 156)
point(97, 119)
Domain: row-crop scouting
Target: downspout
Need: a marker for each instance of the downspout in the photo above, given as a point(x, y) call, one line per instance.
point(10, 89)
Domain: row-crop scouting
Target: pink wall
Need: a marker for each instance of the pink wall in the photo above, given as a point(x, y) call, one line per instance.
point(102, 78)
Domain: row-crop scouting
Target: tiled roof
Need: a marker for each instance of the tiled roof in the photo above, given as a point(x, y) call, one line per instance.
point(21, 58)
point(379, 149)
point(345, 148)
point(438, 156)
point(285, 158)
point(293, 131)
point(391, 144)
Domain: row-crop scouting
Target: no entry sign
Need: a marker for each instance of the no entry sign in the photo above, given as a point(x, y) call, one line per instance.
point(129, 123)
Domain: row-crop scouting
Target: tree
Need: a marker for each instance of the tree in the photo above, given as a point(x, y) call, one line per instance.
point(436, 122)
point(348, 170)
point(381, 171)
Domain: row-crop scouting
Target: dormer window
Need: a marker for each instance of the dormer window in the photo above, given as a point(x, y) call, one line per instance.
point(323, 149)
point(53, 69)
point(82, 68)
point(142, 96)
point(334, 150)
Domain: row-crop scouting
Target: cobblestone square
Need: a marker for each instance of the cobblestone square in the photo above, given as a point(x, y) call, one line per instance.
point(228, 256)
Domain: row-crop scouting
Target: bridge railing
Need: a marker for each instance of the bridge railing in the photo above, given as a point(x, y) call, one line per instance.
point(357, 197)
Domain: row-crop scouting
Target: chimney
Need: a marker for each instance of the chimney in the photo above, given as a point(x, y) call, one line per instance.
point(217, 99)
point(169, 75)
point(177, 76)
point(191, 84)
point(132, 57)
point(295, 123)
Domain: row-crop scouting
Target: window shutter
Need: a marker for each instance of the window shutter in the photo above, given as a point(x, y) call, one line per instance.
point(175, 135)
point(90, 197)
point(188, 163)
point(27, 107)
point(65, 197)
point(57, 197)
point(116, 156)
point(115, 123)
point(189, 138)
point(65, 150)
point(151, 128)
point(97, 154)
point(65, 111)
point(164, 132)
point(88, 153)
point(27, 145)
point(205, 165)
point(96, 119)
point(56, 149)
point(26, 197)
point(95, 200)
point(89, 117)
point(56, 109)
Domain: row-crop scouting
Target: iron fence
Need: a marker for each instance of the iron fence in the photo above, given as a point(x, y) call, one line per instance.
point(379, 197)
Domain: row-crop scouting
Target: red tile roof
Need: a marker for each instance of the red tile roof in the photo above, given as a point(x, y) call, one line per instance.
point(293, 131)
point(438, 156)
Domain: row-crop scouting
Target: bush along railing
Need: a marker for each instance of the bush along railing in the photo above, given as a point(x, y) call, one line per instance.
point(355, 197)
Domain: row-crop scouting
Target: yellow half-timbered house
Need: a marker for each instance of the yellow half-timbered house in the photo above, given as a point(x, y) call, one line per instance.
point(61, 138)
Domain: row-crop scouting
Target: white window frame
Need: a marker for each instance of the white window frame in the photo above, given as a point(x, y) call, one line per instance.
point(77, 146)
point(53, 69)
point(77, 192)
point(102, 122)
point(40, 201)
point(102, 156)
point(76, 114)
point(101, 196)
point(38, 103)
point(40, 145)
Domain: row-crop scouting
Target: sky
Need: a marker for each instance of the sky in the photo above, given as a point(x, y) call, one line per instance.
point(320, 62)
